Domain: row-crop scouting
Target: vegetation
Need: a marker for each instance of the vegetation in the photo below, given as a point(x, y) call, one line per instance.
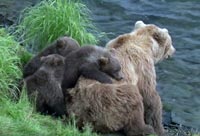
point(50, 19)
point(39, 26)
point(10, 71)
point(24, 56)
point(18, 118)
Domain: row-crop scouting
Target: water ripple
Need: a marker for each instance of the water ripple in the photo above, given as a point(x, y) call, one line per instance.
point(179, 77)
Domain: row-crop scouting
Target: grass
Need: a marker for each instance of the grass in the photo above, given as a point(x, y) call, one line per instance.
point(39, 26)
point(24, 56)
point(10, 71)
point(18, 117)
point(45, 22)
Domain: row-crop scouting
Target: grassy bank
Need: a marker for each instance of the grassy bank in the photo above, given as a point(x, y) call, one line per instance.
point(10, 71)
point(45, 22)
point(18, 117)
point(38, 26)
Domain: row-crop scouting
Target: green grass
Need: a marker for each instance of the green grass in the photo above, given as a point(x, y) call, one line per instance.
point(18, 117)
point(10, 71)
point(24, 56)
point(45, 22)
point(39, 26)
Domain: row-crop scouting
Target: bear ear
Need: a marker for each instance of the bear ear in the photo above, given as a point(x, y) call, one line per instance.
point(139, 24)
point(42, 59)
point(60, 43)
point(103, 60)
point(165, 30)
point(113, 51)
point(59, 61)
point(159, 37)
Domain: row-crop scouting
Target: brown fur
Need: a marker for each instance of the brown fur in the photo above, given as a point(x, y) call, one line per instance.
point(62, 46)
point(137, 52)
point(92, 62)
point(108, 107)
point(138, 56)
point(44, 85)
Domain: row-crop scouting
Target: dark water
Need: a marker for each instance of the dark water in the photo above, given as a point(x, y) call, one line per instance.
point(10, 9)
point(178, 78)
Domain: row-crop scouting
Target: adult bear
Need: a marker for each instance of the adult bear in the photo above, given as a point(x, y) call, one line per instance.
point(137, 52)
point(140, 50)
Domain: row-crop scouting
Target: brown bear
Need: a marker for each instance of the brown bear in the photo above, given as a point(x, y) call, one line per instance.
point(62, 46)
point(44, 85)
point(140, 50)
point(137, 53)
point(92, 62)
point(108, 107)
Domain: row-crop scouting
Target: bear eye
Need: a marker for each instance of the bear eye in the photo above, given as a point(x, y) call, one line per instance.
point(156, 36)
point(159, 37)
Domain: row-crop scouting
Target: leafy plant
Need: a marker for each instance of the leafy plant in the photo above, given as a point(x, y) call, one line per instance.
point(50, 19)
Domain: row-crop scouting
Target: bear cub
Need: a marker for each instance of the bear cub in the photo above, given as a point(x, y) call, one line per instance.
point(44, 86)
point(62, 46)
point(91, 62)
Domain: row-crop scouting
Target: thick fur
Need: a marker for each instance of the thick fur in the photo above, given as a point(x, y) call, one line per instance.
point(45, 85)
point(91, 62)
point(108, 108)
point(62, 46)
point(137, 53)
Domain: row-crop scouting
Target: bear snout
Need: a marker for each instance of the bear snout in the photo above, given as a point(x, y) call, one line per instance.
point(171, 51)
point(118, 76)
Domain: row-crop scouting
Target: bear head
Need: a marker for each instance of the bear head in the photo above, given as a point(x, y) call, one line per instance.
point(64, 45)
point(149, 37)
point(110, 65)
point(52, 60)
point(161, 40)
point(54, 65)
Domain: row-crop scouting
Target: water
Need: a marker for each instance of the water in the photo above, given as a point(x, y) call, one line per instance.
point(178, 78)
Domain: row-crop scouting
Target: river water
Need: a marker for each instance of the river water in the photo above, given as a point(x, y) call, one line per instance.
point(179, 77)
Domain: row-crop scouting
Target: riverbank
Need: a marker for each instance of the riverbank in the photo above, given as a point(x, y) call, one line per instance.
point(9, 13)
